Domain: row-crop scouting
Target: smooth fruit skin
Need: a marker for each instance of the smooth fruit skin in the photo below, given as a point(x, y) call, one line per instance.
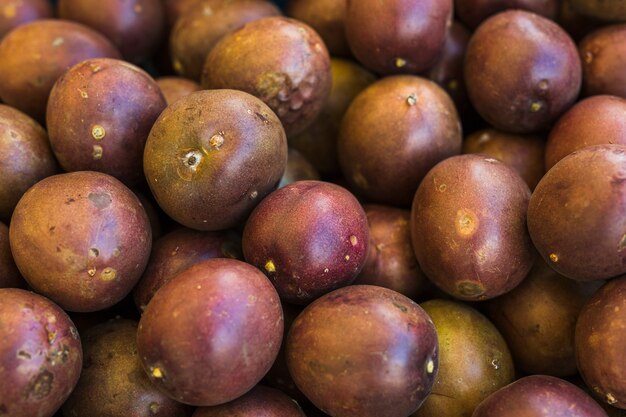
point(309, 238)
point(602, 53)
point(522, 71)
point(577, 213)
point(212, 156)
point(600, 341)
point(82, 239)
point(211, 334)
point(363, 351)
point(539, 396)
point(397, 37)
point(40, 355)
point(468, 227)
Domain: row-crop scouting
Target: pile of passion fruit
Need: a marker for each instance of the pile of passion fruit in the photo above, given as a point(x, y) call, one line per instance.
point(366, 208)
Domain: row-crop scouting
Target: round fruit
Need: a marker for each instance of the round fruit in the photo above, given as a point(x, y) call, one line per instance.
point(603, 52)
point(259, 402)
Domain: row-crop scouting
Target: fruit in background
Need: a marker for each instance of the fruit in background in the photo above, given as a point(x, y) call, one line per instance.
point(17, 12)
point(326, 17)
point(474, 12)
point(174, 88)
point(602, 53)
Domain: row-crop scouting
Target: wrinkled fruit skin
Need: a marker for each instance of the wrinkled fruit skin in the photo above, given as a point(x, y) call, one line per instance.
point(223, 313)
point(212, 156)
point(82, 239)
point(309, 238)
point(600, 342)
point(363, 351)
point(40, 355)
point(589, 188)
point(539, 396)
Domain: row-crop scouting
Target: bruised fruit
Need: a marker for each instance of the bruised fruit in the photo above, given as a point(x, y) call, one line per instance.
point(212, 156)
point(112, 382)
point(394, 131)
point(390, 261)
point(25, 157)
point(34, 55)
point(577, 214)
point(81, 238)
point(522, 71)
point(202, 25)
point(134, 26)
point(474, 360)
point(327, 18)
point(468, 227)
point(523, 153)
point(537, 319)
point(14, 13)
point(398, 36)
point(309, 237)
point(363, 351)
point(593, 121)
point(603, 52)
point(539, 396)
point(177, 251)
point(100, 113)
point(224, 314)
point(259, 402)
point(292, 77)
point(174, 88)
point(9, 275)
point(40, 355)
point(600, 341)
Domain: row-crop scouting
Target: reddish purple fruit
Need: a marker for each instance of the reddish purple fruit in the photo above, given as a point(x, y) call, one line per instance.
point(309, 237)
point(40, 355)
point(211, 334)
point(364, 351)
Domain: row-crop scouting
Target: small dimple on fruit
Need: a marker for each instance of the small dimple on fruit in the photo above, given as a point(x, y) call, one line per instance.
point(98, 132)
point(400, 62)
point(543, 85)
point(216, 141)
point(430, 366)
point(91, 271)
point(442, 188)
point(108, 274)
point(269, 266)
point(97, 152)
point(95, 68)
point(353, 240)
point(554, 257)
point(254, 194)
point(466, 223)
point(411, 99)
point(610, 398)
point(94, 252)
point(535, 106)
point(83, 93)
point(496, 364)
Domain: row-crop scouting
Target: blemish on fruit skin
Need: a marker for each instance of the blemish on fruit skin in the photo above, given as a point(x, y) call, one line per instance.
point(554, 257)
point(154, 408)
point(216, 141)
point(98, 132)
point(466, 223)
point(347, 257)
point(535, 106)
point(400, 62)
point(254, 194)
point(92, 271)
point(430, 366)
point(411, 99)
point(270, 266)
point(353, 240)
point(83, 93)
point(156, 373)
point(543, 85)
point(622, 244)
point(57, 42)
point(496, 364)
point(610, 398)
point(97, 152)
point(588, 57)
point(442, 188)
point(470, 289)
point(108, 274)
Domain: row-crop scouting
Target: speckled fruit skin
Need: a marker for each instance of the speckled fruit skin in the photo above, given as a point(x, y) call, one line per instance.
point(174, 88)
point(259, 402)
point(523, 153)
point(394, 131)
point(199, 29)
point(292, 77)
point(81, 238)
point(9, 274)
point(474, 360)
point(326, 17)
point(600, 342)
point(593, 121)
point(363, 351)
point(538, 317)
point(25, 157)
point(34, 55)
point(223, 313)
point(577, 214)
point(112, 382)
point(40, 355)
point(602, 53)
point(134, 26)
point(100, 113)
point(390, 261)
point(309, 237)
point(522, 71)
point(212, 156)
point(468, 227)
point(177, 251)
point(19, 12)
point(397, 37)
point(539, 396)
point(474, 12)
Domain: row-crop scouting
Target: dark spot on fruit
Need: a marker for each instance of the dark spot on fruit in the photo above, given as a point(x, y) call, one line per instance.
point(23, 355)
point(3, 409)
point(470, 288)
point(59, 356)
point(617, 180)
point(400, 307)
point(52, 228)
point(40, 386)
point(192, 160)
point(69, 201)
point(262, 117)
point(100, 200)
